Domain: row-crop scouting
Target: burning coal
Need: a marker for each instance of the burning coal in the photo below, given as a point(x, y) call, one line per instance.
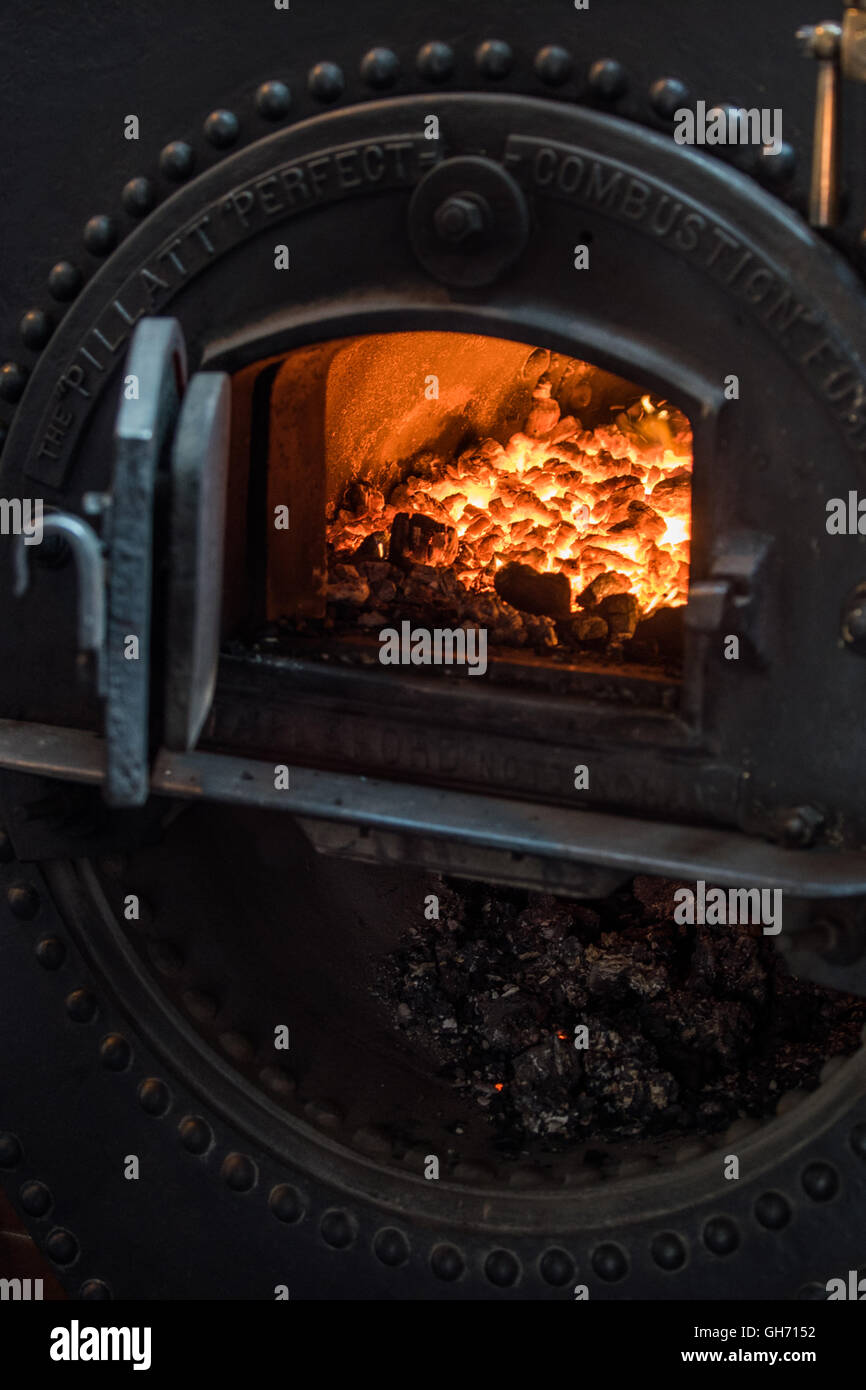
point(557, 515)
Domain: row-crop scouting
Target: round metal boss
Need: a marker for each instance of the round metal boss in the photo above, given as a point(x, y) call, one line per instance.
point(468, 221)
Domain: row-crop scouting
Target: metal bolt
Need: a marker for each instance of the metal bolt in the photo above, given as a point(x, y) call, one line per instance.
point(854, 620)
point(799, 826)
point(458, 217)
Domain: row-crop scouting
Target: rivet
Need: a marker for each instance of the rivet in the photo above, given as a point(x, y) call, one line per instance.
point(494, 59)
point(813, 1293)
point(239, 1048)
point(64, 280)
point(609, 1262)
point(35, 1198)
point(556, 1267)
point(7, 853)
point(277, 1080)
point(176, 161)
point(115, 1052)
point(50, 952)
point(221, 129)
point(81, 1006)
point(239, 1172)
point(61, 1246)
point(820, 1182)
point(23, 901)
point(667, 95)
point(608, 79)
point(165, 956)
point(857, 1140)
point(153, 1096)
point(777, 166)
point(273, 100)
point(435, 61)
point(201, 1006)
point(668, 1251)
point(391, 1247)
point(553, 65)
point(285, 1203)
point(10, 1150)
point(326, 82)
point(380, 68)
point(447, 1263)
point(93, 1289)
point(772, 1211)
point(195, 1134)
point(721, 1236)
point(337, 1230)
point(35, 329)
point(138, 197)
point(502, 1268)
point(324, 1114)
point(13, 379)
point(100, 235)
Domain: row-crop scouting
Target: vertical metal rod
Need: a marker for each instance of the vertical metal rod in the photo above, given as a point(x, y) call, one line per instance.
point(824, 189)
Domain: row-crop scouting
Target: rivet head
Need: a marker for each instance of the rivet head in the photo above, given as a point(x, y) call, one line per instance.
point(13, 379)
point(115, 1052)
point(138, 197)
point(435, 61)
point(50, 952)
point(273, 100)
point(35, 1198)
point(100, 235)
point(609, 1262)
point(64, 280)
point(337, 1230)
point(94, 1289)
point(557, 1267)
point(854, 620)
point(458, 217)
point(81, 1006)
point(195, 1134)
point(391, 1248)
point(238, 1047)
point(667, 95)
point(494, 59)
point(278, 1081)
point(177, 160)
point(721, 1236)
point(23, 901)
point(772, 1211)
point(221, 129)
point(447, 1263)
point(857, 1140)
point(326, 82)
point(502, 1268)
point(608, 79)
point(10, 1150)
point(777, 166)
point(285, 1203)
point(165, 956)
point(553, 65)
point(239, 1172)
point(61, 1246)
point(380, 68)
point(820, 1182)
point(153, 1096)
point(201, 1006)
point(668, 1250)
point(35, 329)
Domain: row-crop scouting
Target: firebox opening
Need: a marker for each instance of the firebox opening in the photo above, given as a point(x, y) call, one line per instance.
point(425, 481)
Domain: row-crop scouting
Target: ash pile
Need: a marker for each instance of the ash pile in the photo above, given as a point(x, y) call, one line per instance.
point(687, 1028)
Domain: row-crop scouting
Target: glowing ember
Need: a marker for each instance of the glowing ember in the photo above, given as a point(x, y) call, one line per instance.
point(613, 500)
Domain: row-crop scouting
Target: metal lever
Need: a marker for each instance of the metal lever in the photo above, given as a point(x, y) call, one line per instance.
point(824, 42)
